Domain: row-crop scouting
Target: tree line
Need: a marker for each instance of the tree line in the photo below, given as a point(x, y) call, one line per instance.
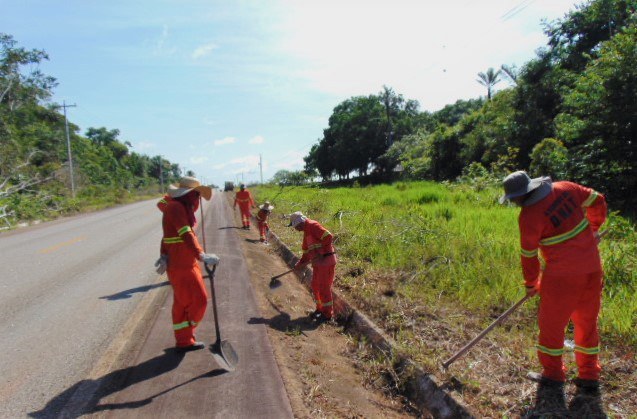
point(35, 177)
point(570, 112)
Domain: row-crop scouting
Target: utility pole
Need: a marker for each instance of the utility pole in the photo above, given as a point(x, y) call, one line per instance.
point(68, 145)
point(161, 173)
point(261, 167)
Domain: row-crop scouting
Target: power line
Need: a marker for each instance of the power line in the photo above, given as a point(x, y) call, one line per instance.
point(516, 10)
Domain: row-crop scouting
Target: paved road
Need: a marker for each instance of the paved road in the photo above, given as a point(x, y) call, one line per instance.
point(91, 273)
point(66, 289)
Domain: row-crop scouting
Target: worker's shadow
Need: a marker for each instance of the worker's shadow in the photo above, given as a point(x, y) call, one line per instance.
point(229, 227)
point(253, 241)
point(283, 322)
point(129, 293)
point(84, 397)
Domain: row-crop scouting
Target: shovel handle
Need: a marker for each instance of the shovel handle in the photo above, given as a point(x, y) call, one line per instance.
point(497, 321)
point(291, 270)
point(283, 274)
point(482, 334)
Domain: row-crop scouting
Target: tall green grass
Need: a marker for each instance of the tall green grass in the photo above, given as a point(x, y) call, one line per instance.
point(450, 240)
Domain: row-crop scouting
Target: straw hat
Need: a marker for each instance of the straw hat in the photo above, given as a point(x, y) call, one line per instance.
point(519, 184)
point(296, 219)
point(266, 206)
point(187, 184)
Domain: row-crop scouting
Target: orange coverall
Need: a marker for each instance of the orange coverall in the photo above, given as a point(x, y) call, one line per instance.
point(317, 247)
point(262, 222)
point(180, 244)
point(562, 226)
point(245, 201)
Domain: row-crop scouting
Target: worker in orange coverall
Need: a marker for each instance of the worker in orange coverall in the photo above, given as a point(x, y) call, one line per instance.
point(180, 254)
point(243, 197)
point(262, 221)
point(317, 249)
point(561, 220)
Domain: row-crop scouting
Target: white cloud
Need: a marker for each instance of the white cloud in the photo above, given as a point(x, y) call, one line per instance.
point(429, 51)
point(227, 140)
point(161, 47)
point(198, 160)
point(246, 160)
point(257, 140)
point(292, 160)
point(240, 164)
point(203, 50)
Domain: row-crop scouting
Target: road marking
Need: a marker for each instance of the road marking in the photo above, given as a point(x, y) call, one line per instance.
point(63, 244)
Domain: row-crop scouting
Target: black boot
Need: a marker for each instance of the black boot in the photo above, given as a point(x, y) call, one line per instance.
point(194, 347)
point(549, 401)
point(587, 400)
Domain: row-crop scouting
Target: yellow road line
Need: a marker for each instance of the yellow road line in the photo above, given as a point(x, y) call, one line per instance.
point(63, 244)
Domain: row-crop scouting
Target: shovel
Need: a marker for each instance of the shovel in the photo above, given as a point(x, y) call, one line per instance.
point(222, 350)
point(275, 282)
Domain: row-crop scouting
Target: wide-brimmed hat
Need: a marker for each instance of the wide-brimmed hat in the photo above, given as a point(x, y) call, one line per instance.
point(187, 184)
point(266, 206)
point(296, 218)
point(519, 184)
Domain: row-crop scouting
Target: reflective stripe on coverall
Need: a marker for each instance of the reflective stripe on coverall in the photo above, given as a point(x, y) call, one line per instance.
point(317, 241)
point(262, 223)
point(182, 248)
point(562, 226)
point(245, 201)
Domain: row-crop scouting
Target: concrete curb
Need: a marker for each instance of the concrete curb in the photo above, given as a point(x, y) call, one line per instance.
point(421, 388)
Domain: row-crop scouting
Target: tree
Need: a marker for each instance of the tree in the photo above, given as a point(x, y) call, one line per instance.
point(599, 121)
point(102, 136)
point(16, 86)
point(549, 158)
point(288, 178)
point(510, 72)
point(489, 80)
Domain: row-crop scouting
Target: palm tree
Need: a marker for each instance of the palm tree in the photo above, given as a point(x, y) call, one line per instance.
point(488, 80)
point(510, 72)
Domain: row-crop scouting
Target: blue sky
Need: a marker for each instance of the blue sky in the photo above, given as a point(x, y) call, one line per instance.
point(216, 85)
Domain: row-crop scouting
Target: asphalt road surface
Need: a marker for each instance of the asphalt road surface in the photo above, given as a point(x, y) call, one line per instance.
point(65, 290)
point(70, 288)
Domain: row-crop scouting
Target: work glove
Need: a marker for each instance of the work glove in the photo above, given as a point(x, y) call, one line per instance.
point(209, 258)
point(161, 264)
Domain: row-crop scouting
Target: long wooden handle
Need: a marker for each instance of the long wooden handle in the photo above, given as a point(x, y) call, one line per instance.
point(497, 321)
point(482, 334)
point(203, 232)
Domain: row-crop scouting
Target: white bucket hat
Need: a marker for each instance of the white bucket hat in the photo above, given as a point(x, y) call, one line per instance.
point(519, 184)
point(266, 206)
point(187, 184)
point(296, 218)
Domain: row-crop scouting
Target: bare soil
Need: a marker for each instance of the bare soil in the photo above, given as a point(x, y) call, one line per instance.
point(328, 373)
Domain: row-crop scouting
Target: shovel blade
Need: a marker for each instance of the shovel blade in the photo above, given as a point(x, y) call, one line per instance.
point(275, 283)
point(225, 355)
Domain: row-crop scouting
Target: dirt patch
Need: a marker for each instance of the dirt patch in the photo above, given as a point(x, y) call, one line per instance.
point(327, 373)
